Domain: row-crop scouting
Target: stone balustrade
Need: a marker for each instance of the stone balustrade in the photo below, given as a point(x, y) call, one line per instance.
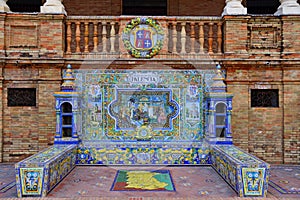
point(183, 35)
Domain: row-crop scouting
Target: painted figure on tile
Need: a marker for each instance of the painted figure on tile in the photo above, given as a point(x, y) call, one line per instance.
point(95, 93)
point(162, 116)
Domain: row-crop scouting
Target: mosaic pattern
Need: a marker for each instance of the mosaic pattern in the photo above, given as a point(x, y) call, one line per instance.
point(144, 153)
point(134, 180)
point(115, 104)
point(152, 107)
point(247, 175)
point(38, 174)
point(143, 37)
point(253, 181)
point(46, 155)
point(240, 156)
point(32, 179)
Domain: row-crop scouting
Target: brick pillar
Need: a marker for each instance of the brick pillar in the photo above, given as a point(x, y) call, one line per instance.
point(235, 36)
point(2, 34)
point(52, 36)
point(290, 36)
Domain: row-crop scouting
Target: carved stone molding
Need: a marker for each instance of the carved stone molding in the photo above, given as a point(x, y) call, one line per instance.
point(3, 6)
point(288, 7)
point(234, 7)
point(53, 6)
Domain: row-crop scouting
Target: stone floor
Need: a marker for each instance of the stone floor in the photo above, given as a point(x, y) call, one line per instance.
point(95, 182)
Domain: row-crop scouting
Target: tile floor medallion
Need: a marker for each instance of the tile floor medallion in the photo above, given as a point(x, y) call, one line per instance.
point(140, 180)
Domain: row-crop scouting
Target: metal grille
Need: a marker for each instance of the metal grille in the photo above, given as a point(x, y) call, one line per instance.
point(264, 98)
point(21, 97)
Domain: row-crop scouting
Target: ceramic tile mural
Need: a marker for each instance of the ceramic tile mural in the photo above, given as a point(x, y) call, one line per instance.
point(38, 174)
point(130, 106)
point(32, 180)
point(247, 174)
point(253, 181)
point(144, 153)
point(141, 118)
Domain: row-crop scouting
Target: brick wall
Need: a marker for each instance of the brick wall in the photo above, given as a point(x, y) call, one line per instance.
point(196, 8)
point(291, 138)
point(29, 129)
point(269, 133)
point(93, 7)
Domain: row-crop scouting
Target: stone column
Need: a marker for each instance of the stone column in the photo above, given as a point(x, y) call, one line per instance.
point(53, 6)
point(288, 7)
point(3, 6)
point(234, 7)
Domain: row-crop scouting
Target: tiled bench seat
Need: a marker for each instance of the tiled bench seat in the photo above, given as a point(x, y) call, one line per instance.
point(245, 173)
point(38, 174)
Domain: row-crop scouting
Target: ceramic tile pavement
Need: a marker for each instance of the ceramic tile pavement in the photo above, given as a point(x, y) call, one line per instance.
point(94, 182)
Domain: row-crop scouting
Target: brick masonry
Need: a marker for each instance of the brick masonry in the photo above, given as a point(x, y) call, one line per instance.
point(35, 58)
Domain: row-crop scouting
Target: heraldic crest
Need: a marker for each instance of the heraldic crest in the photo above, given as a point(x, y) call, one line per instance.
point(143, 37)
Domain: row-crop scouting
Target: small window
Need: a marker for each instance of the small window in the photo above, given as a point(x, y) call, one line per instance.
point(66, 108)
point(21, 96)
point(67, 119)
point(264, 98)
point(221, 119)
point(221, 108)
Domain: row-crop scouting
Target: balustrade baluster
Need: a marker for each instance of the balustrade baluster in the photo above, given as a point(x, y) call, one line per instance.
point(86, 37)
point(77, 35)
point(104, 34)
point(69, 35)
point(174, 37)
point(219, 37)
point(201, 36)
point(112, 37)
point(210, 38)
point(95, 36)
point(192, 37)
point(183, 37)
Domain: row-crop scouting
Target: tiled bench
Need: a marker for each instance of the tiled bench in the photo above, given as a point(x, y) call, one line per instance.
point(245, 173)
point(38, 174)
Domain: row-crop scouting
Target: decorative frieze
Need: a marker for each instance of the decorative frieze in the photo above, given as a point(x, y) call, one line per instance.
point(264, 36)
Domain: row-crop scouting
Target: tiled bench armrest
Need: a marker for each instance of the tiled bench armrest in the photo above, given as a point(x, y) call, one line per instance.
point(245, 173)
point(38, 174)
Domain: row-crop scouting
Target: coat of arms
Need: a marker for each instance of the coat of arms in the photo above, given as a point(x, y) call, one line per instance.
point(143, 37)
